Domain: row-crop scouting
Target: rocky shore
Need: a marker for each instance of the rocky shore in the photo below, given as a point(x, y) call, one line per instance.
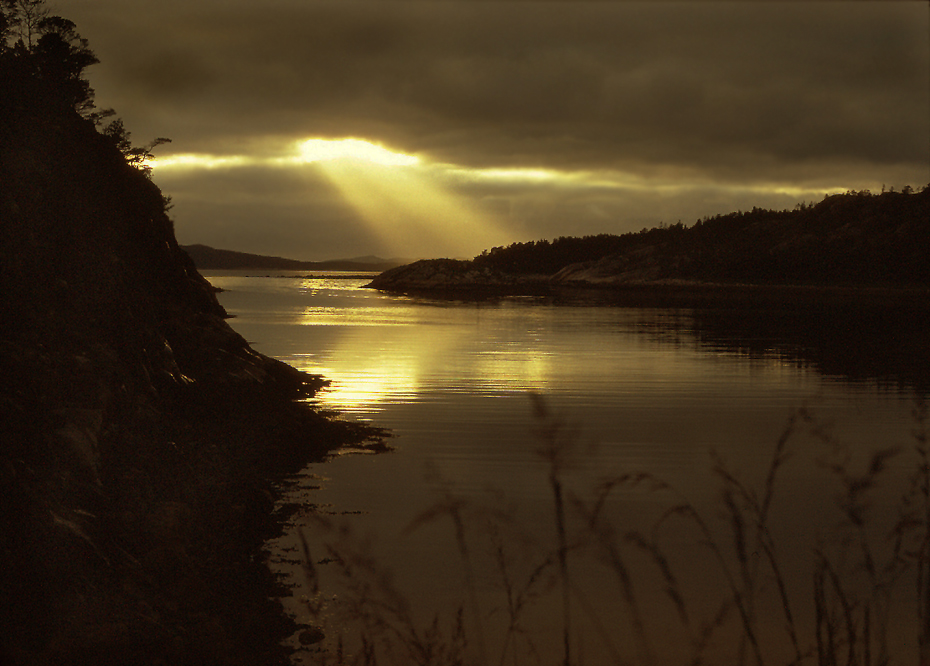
point(143, 443)
point(457, 277)
point(625, 281)
point(857, 243)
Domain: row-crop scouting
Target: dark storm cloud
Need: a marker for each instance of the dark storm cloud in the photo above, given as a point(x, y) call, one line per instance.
point(727, 105)
point(547, 84)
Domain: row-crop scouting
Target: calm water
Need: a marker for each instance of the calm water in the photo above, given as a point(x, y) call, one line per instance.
point(632, 390)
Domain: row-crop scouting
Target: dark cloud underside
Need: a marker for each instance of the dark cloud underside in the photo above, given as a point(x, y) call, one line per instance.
point(735, 102)
point(542, 84)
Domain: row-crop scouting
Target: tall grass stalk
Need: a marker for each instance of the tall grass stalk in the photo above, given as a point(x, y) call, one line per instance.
point(921, 511)
point(555, 449)
point(605, 536)
point(453, 508)
point(517, 596)
point(855, 568)
point(744, 507)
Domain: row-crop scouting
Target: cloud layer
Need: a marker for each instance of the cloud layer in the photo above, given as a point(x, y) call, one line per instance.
point(649, 111)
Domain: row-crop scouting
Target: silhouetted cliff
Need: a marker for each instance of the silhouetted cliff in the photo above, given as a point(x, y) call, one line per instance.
point(140, 436)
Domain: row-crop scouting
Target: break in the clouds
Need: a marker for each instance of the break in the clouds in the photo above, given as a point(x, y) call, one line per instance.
point(520, 120)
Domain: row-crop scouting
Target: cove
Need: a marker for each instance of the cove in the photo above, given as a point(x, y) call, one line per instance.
point(660, 426)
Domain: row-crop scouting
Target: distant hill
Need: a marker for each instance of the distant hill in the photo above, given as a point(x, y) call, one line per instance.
point(209, 258)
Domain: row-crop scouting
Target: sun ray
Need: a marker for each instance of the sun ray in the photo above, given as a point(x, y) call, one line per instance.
point(403, 201)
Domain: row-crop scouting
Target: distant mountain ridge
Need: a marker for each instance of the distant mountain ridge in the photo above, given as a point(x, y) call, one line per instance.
point(210, 258)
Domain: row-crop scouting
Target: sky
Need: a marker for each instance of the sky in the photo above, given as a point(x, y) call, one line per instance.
point(324, 129)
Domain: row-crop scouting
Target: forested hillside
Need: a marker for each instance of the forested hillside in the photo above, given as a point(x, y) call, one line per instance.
point(857, 238)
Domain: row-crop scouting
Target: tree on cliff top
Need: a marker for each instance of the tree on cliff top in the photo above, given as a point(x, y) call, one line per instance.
point(44, 58)
point(47, 50)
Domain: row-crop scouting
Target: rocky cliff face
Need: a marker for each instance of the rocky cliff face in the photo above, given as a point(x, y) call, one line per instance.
point(140, 436)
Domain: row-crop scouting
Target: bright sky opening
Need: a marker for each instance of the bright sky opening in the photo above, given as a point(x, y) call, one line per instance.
point(321, 150)
point(197, 161)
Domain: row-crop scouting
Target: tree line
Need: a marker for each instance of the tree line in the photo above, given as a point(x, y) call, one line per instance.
point(43, 60)
point(857, 237)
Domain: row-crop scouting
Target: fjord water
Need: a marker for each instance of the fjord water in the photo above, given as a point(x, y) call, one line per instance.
point(468, 389)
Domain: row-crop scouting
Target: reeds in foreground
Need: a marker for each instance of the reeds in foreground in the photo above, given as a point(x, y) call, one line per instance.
point(862, 570)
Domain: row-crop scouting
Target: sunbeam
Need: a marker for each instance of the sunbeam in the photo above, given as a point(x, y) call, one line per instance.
point(401, 199)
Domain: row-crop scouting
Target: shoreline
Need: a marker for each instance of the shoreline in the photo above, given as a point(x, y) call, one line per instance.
point(675, 293)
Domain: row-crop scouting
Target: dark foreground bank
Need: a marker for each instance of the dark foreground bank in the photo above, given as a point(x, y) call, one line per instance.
point(134, 512)
point(142, 441)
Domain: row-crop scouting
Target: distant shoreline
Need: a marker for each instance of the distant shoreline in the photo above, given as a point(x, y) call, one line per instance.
point(210, 259)
point(319, 275)
point(462, 280)
point(671, 293)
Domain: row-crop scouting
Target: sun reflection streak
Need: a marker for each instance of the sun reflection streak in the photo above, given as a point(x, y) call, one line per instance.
point(366, 384)
point(360, 316)
point(387, 357)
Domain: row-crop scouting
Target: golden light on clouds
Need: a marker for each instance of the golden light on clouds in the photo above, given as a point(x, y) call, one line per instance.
point(199, 161)
point(321, 150)
point(616, 116)
point(352, 163)
point(408, 205)
point(404, 200)
point(517, 174)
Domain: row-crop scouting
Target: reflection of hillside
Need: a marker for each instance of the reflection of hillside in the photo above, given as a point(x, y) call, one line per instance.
point(857, 334)
point(887, 345)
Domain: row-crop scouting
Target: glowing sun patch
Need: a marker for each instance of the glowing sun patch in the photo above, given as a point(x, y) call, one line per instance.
point(320, 150)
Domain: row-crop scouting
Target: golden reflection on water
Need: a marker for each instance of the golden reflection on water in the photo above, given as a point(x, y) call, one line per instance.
point(337, 316)
point(378, 356)
point(382, 360)
point(362, 389)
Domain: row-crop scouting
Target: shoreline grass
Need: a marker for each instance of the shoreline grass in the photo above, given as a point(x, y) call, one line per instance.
point(860, 573)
